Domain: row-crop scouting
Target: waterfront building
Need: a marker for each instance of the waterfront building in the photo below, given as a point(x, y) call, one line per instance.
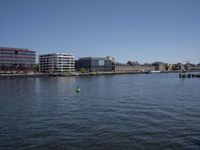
point(128, 68)
point(133, 63)
point(95, 64)
point(57, 63)
point(160, 66)
point(191, 67)
point(112, 59)
point(16, 59)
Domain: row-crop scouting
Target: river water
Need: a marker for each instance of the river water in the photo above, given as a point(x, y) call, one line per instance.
point(119, 112)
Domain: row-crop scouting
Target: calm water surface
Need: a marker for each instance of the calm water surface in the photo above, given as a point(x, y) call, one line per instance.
point(121, 112)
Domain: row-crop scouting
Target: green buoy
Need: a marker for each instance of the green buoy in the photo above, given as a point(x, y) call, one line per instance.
point(78, 89)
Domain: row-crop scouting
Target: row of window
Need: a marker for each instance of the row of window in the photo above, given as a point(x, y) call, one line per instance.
point(57, 66)
point(13, 54)
point(17, 58)
point(56, 58)
point(55, 55)
point(18, 64)
point(17, 52)
point(12, 62)
point(56, 61)
point(49, 60)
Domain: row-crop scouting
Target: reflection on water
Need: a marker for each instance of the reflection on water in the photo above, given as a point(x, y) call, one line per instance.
point(146, 111)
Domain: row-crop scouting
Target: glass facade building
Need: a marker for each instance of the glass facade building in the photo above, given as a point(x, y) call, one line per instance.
point(16, 59)
point(94, 64)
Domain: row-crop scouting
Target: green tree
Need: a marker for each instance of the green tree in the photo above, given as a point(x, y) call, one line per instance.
point(35, 67)
point(166, 66)
point(82, 70)
point(176, 66)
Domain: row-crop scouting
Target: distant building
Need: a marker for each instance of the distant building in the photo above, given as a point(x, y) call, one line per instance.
point(16, 59)
point(57, 62)
point(134, 66)
point(160, 66)
point(133, 63)
point(123, 68)
point(191, 67)
point(112, 59)
point(95, 64)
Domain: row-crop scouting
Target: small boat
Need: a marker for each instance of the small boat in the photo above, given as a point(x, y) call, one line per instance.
point(155, 71)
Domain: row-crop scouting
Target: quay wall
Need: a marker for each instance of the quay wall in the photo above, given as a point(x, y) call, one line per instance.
point(23, 75)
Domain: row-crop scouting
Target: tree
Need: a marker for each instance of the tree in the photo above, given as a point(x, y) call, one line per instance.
point(82, 70)
point(176, 66)
point(166, 67)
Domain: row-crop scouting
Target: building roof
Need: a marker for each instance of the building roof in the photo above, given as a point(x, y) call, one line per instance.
point(67, 54)
point(97, 58)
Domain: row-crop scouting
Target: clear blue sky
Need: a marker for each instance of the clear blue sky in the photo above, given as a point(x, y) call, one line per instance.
point(141, 30)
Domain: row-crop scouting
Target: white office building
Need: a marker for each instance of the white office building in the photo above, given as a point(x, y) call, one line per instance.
point(57, 62)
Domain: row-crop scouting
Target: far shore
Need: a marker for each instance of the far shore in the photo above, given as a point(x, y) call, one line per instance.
point(37, 75)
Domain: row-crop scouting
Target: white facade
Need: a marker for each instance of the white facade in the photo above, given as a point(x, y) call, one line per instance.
point(57, 62)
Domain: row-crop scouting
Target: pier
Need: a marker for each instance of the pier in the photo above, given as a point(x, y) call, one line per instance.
point(189, 75)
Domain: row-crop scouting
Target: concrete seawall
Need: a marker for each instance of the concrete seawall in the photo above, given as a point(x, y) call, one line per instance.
point(23, 75)
point(39, 75)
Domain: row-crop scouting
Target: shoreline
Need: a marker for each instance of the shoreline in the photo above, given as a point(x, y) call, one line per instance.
point(40, 75)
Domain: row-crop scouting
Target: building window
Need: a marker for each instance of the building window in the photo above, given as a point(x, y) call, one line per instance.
point(101, 63)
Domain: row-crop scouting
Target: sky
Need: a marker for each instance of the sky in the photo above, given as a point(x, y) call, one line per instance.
point(138, 30)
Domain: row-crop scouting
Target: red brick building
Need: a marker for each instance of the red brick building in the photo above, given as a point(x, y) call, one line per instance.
point(17, 59)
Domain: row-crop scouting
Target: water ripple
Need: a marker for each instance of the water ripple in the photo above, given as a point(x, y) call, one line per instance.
point(156, 111)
